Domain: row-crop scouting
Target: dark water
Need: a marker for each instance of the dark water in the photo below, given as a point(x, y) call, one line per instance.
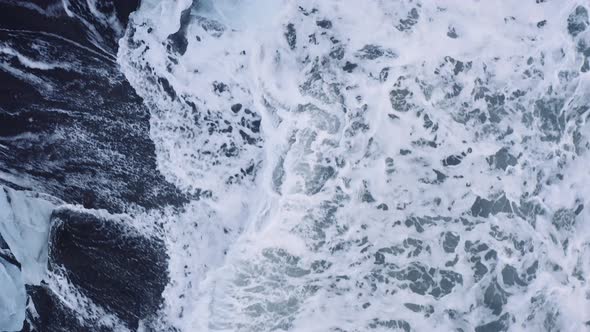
point(71, 126)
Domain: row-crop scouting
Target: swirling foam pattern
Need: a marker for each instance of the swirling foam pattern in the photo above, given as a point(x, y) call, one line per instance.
point(371, 165)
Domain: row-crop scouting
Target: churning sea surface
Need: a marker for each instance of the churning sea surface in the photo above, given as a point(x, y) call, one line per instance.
point(370, 165)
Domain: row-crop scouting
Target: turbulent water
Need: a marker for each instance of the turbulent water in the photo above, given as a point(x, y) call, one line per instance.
point(359, 166)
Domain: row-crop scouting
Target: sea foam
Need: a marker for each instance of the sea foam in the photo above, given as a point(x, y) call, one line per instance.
point(370, 165)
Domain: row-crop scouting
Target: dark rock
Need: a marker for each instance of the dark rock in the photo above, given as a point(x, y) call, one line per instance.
point(502, 159)
point(111, 263)
point(577, 21)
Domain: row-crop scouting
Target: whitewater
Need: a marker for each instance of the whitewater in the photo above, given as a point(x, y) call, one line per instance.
point(369, 165)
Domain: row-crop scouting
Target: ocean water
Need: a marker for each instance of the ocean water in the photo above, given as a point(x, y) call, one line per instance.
point(369, 165)
point(282, 165)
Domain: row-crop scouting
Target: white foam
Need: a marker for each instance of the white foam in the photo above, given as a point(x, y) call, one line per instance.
point(12, 297)
point(24, 225)
point(329, 137)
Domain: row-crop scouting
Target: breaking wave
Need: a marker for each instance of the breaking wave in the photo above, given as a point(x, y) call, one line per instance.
point(370, 165)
